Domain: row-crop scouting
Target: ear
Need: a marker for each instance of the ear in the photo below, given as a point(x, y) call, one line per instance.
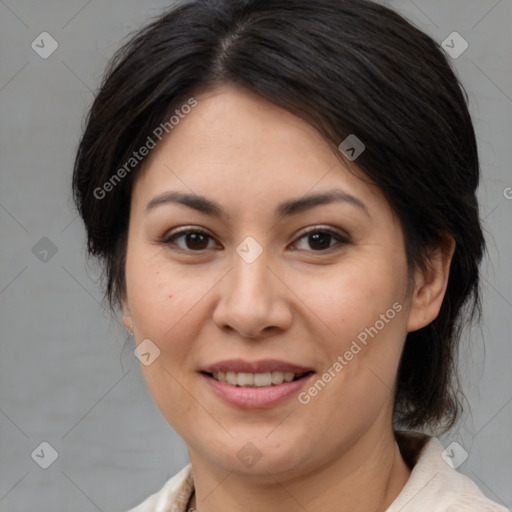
point(127, 317)
point(430, 285)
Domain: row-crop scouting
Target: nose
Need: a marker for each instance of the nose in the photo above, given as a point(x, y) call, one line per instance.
point(254, 301)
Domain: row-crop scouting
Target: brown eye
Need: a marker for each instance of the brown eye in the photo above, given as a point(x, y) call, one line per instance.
point(191, 240)
point(196, 241)
point(321, 240)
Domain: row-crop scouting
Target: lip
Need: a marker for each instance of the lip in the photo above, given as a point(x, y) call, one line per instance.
point(262, 366)
point(254, 397)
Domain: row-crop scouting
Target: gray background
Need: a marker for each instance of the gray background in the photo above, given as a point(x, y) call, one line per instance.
point(64, 377)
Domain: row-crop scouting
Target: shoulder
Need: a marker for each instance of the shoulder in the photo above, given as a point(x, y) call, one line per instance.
point(434, 484)
point(172, 497)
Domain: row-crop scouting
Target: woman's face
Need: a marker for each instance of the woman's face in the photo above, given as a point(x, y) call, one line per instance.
point(279, 284)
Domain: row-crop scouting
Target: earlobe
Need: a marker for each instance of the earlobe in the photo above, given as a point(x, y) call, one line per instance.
point(127, 318)
point(430, 285)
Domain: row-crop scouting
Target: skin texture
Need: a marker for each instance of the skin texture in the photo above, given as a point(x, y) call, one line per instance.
point(294, 303)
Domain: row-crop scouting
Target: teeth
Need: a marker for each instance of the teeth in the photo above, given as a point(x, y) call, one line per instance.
point(254, 379)
point(245, 379)
point(262, 379)
point(231, 378)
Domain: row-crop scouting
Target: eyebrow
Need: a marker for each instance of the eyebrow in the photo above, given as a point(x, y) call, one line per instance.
point(287, 208)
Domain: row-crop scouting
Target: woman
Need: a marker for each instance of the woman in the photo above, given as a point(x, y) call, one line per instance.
point(283, 196)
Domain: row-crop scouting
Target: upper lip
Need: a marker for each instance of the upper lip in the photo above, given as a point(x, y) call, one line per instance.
point(262, 366)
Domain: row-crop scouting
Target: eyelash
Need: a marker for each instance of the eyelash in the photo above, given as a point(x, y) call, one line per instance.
point(169, 240)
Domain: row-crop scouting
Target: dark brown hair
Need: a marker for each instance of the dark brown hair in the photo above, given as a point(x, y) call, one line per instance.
point(346, 67)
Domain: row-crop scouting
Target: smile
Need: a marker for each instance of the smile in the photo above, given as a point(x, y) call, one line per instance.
point(259, 380)
point(255, 385)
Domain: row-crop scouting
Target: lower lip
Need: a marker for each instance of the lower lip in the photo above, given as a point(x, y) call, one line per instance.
point(254, 397)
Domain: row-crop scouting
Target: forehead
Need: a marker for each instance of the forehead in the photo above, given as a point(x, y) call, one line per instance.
point(238, 147)
point(233, 124)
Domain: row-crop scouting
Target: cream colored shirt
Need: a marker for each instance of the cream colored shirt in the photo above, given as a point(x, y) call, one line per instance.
point(434, 486)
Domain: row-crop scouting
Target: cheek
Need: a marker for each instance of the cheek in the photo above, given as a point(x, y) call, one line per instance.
point(363, 306)
point(167, 301)
point(159, 294)
point(164, 302)
point(353, 296)
point(157, 302)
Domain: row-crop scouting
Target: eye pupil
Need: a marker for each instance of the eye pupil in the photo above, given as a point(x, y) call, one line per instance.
point(195, 239)
point(321, 240)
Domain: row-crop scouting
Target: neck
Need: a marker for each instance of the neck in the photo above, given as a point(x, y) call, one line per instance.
point(367, 478)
